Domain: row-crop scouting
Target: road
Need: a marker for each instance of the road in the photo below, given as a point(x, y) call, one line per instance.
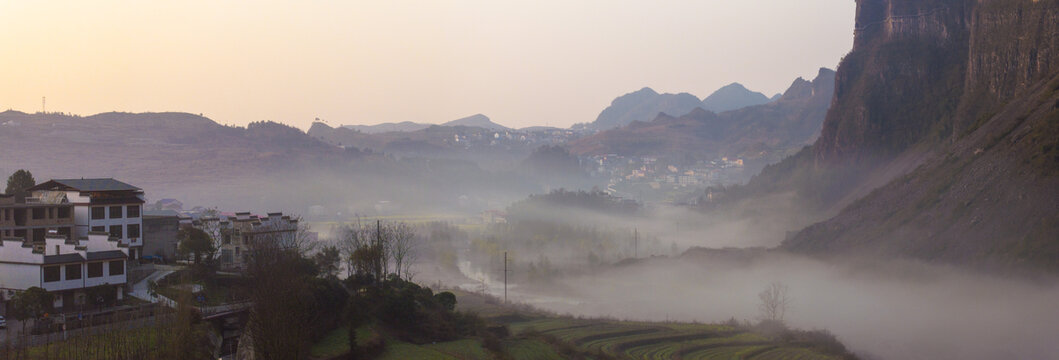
point(141, 291)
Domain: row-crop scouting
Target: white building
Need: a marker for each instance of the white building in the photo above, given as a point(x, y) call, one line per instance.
point(234, 235)
point(64, 267)
point(102, 205)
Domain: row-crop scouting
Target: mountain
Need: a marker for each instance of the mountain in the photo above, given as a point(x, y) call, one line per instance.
point(646, 104)
point(643, 105)
point(731, 97)
point(404, 126)
point(265, 166)
point(791, 121)
point(942, 143)
point(151, 149)
point(477, 120)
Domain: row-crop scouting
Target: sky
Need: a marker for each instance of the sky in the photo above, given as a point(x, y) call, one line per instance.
point(521, 63)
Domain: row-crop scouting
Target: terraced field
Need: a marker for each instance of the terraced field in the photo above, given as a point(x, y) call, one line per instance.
point(538, 336)
point(632, 340)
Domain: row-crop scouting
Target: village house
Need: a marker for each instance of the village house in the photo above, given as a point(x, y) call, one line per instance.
point(31, 218)
point(160, 228)
point(235, 235)
point(100, 205)
point(64, 266)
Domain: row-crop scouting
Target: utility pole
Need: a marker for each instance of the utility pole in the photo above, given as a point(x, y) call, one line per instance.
point(635, 243)
point(378, 247)
point(505, 277)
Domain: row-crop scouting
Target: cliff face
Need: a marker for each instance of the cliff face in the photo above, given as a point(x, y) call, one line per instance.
point(929, 70)
point(900, 83)
point(1013, 44)
point(971, 86)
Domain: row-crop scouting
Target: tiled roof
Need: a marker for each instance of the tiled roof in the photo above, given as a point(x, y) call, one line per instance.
point(88, 185)
point(106, 255)
point(160, 213)
point(63, 259)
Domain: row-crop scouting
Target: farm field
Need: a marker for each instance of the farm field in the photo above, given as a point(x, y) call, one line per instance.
point(538, 336)
point(638, 340)
point(559, 338)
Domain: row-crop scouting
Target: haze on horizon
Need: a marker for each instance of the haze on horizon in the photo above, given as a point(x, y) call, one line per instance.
point(537, 63)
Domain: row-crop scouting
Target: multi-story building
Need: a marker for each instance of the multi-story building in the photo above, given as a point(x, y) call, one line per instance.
point(68, 268)
point(160, 229)
point(32, 218)
point(235, 235)
point(101, 205)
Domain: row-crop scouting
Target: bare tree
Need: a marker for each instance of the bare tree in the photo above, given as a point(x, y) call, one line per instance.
point(280, 322)
point(378, 250)
point(774, 302)
point(351, 238)
point(402, 248)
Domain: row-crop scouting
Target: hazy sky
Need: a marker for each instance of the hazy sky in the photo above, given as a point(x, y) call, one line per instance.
point(365, 62)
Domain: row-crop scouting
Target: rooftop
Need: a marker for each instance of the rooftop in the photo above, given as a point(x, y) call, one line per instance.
point(62, 259)
point(85, 185)
point(106, 255)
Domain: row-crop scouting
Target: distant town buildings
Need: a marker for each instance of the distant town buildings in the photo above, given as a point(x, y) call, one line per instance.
point(647, 177)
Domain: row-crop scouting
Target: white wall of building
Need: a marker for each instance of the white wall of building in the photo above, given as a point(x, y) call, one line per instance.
point(19, 276)
point(63, 283)
point(107, 277)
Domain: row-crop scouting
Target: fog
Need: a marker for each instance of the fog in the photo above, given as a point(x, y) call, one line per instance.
point(890, 310)
point(879, 308)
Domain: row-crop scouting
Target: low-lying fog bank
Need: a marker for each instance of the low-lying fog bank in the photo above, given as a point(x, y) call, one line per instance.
point(896, 310)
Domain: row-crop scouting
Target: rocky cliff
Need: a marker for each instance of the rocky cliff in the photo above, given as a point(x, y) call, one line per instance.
point(966, 89)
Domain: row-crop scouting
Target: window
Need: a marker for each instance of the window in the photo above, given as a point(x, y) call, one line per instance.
point(95, 270)
point(51, 273)
point(99, 229)
point(64, 212)
point(117, 267)
point(99, 213)
point(133, 211)
point(38, 213)
point(115, 212)
point(73, 272)
point(134, 230)
point(115, 231)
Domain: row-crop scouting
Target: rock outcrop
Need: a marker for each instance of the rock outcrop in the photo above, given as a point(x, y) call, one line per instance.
point(969, 90)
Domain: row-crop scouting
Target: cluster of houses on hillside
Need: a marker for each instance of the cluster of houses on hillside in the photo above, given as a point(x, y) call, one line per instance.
point(70, 236)
point(639, 176)
point(649, 169)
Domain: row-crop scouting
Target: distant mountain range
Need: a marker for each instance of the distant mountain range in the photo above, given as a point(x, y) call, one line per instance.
point(645, 104)
point(404, 126)
point(477, 120)
point(790, 121)
point(150, 149)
